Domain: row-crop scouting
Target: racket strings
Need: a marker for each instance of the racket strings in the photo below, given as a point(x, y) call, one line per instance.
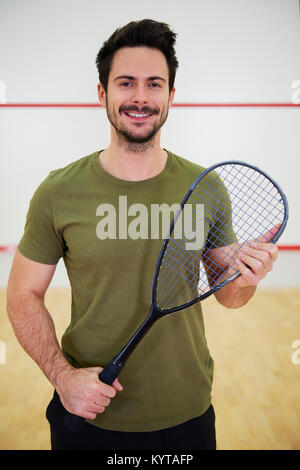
point(240, 206)
point(249, 185)
point(250, 216)
point(172, 277)
point(172, 284)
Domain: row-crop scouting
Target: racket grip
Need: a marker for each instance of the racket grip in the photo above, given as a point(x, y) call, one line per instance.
point(111, 371)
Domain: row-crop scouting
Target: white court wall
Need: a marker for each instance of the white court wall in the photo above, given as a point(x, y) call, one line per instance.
point(228, 51)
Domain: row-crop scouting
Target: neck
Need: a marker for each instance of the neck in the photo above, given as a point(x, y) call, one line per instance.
point(134, 162)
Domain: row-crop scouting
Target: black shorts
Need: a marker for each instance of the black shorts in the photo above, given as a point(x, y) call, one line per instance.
point(195, 434)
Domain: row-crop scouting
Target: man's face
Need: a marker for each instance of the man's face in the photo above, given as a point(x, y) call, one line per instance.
point(138, 97)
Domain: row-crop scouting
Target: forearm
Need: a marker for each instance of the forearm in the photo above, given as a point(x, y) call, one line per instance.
point(35, 331)
point(233, 296)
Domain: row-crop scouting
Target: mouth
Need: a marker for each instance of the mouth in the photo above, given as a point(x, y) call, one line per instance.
point(139, 116)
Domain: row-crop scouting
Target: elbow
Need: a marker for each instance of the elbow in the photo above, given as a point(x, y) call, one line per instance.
point(229, 303)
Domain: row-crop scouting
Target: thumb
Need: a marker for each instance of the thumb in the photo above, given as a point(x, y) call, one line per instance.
point(116, 384)
point(95, 369)
point(270, 234)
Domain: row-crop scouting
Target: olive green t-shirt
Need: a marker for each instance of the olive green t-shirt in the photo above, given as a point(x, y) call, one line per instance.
point(75, 214)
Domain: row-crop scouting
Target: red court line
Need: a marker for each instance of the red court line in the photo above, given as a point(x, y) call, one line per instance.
point(12, 248)
point(289, 247)
point(175, 105)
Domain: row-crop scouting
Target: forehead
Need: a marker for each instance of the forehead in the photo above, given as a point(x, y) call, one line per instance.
point(139, 62)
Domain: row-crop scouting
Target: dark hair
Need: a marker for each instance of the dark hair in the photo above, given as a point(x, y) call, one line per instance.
point(147, 33)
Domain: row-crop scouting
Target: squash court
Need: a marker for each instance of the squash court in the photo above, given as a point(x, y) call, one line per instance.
point(237, 98)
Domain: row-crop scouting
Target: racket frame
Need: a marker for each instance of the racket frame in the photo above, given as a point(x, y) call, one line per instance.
point(112, 370)
point(172, 225)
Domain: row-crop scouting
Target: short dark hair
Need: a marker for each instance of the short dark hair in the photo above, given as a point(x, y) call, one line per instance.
point(147, 33)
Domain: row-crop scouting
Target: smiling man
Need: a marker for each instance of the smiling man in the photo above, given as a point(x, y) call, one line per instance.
point(164, 402)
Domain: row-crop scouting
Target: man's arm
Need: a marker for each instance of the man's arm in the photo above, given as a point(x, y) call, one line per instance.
point(32, 324)
point(253, 262)
point(80, 390)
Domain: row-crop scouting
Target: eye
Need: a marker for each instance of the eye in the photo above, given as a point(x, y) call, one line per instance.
point(155, 85)
point(125, 84)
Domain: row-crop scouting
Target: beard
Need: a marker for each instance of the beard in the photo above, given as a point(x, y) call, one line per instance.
point(126, 137)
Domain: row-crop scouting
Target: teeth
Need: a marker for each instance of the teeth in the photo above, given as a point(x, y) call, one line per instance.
point(138, 115)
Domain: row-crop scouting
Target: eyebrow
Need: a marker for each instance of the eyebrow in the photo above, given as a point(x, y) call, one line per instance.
point(129, 77)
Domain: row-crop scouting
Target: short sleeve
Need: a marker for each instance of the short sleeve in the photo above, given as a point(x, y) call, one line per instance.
point(41, 241)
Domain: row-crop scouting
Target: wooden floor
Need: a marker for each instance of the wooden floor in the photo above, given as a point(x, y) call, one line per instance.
point(256, 392)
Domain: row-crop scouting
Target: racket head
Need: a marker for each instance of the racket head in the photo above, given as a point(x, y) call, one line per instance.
point(232, 174)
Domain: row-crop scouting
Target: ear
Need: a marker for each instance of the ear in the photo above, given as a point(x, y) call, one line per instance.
point(101, 95)
point(171, 97)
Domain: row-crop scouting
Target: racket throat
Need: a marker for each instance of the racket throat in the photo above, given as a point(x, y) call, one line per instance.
point(139, 334)
point(113, 369)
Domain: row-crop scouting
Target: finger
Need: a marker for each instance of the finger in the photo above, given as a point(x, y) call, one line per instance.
point(90, 411)
point(87, 415)
point(97, 402)
point(102, 401)
point(247, 276)
point(270, 234)
point(107, 390)
point(270, 248)
point(96, 408)
point(255, 264)
point(263, 256)
point(117, 385)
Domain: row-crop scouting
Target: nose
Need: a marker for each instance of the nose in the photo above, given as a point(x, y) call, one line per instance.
point(140, 94)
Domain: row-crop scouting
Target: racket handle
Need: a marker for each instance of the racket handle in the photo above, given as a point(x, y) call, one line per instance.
point(111, 371)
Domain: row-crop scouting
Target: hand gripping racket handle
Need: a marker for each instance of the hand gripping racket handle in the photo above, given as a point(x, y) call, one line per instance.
point(114, 367)
point(108, 376)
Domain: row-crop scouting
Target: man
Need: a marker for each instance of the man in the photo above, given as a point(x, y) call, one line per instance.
point(165, 400)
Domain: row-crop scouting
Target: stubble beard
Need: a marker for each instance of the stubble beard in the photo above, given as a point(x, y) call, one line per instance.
point(128, 140)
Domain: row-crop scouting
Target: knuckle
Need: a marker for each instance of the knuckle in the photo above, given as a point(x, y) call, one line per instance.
point(274, 251)
point(261, 266)
point(107, 391)
point(270, 268)
point(264, 258)
point(246, 276)
point(78, 409)
point(251, 278)
point(94, 386)
point(90, 395)
point(105, 401)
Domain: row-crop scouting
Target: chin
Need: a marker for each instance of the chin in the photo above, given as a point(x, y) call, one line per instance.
point(138, 139)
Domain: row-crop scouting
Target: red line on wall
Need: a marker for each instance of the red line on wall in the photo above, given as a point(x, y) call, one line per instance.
point(12, 248)
point(289, 247)
point(175, 105)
